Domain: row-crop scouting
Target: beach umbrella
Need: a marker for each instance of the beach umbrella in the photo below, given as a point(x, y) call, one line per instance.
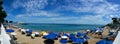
point(50, 36)
point(28, 31)
point(63, 41)
point(79, 34)
point(9, 30)
point(78, 40)
point(101, 42)
point(72, 36)
point(43, 33)
point(64, 37)
point(109, 42)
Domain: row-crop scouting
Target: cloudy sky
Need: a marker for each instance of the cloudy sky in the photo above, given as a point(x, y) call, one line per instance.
point(62, 11)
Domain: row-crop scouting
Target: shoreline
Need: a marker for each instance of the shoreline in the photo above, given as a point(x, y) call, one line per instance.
point(23, 39)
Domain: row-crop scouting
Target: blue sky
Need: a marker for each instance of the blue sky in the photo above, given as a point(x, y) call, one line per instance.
point(62, 11)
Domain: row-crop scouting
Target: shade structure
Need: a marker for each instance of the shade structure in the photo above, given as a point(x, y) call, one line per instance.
point(28, 31)
point(109, 42)
point(9, 30)
point(63, 41)
point(80, 34)
point(72, 36)
point(64, 37)
point(50, 36)
point(86, 37)
point(101, 42)
point(78, 40)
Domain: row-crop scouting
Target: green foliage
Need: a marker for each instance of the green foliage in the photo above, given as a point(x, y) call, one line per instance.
point(2, 13)
point(1, 2)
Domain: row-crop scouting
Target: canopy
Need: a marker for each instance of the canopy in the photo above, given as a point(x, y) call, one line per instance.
point(63, 41)
point(78, 40)
point(64, 37)
point(80, 34)
point(50, 36)
point(9, 30)
point(72, 36)
point(28, 31)
point(101, 42)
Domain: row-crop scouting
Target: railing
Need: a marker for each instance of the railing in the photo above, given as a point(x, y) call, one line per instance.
point(117, 39)
point(4, 37)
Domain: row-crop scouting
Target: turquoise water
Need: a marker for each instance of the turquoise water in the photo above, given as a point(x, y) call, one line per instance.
point(58, 27)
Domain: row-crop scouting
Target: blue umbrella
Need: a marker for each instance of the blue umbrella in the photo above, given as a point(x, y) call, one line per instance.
point(109, 42)
point(9, 30)
point(101, 42)
point(86, 37)
point(63, 41)
point(78, 40)
point(72, 36)
point(28, 31)
point(80, 34)
point(66, 35)
point(50, 36)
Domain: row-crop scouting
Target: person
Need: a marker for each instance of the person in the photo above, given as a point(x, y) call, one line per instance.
point(49, 41)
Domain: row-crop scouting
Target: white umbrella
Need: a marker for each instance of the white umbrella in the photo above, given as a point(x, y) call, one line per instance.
point(23, 30)
point(64, 37)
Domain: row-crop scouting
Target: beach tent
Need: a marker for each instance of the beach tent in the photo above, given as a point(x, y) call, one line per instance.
point(9, 30)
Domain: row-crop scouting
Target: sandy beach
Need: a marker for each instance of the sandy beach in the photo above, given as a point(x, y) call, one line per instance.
point(23, 39)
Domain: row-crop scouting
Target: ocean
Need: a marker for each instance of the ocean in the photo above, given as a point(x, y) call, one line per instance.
point(58, 27)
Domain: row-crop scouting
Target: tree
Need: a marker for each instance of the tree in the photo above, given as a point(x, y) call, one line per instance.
point(2, 13)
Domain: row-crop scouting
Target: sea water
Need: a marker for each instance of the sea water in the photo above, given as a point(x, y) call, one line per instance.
point(58, 27)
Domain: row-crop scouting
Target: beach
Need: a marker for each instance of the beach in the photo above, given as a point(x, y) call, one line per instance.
point(23, 39)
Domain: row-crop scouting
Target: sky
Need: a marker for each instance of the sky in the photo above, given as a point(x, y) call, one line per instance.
point(62, 11)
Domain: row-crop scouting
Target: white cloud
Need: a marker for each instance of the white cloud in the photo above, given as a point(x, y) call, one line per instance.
point(37, 14)
point(102, 8)
point(30, 5)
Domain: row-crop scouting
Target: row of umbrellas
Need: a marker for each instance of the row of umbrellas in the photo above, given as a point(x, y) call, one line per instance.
point(53, 36)
point(11, 30)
